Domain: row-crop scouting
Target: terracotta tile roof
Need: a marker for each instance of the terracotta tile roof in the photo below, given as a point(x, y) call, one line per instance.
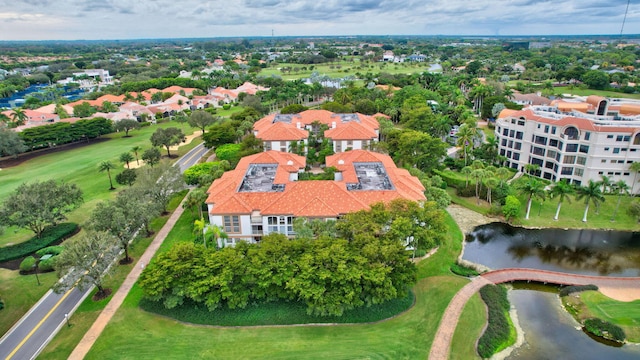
point(316, 198)
point(351, 131)
point(111, 98)
point(176, 90)
point(282, 132)
point(580, 123)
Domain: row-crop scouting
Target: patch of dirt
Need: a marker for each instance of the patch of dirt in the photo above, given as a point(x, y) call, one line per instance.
point(126, 261)
point(101, 295)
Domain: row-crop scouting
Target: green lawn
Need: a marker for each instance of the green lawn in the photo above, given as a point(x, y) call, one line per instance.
point(345, 68)
point(133, 333)
point(79, 166)
point(595, 304)
point(587, 92)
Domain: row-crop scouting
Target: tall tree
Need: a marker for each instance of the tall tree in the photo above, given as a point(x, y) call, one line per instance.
point(151, 156)
point(126, 125)
point(136, 150)
point(38, 205)
point(195, 199)
point(466, 136)
point(621, 188)
point(160, 183)
point(201, 119)
point(107, 166)
point(10, 143)
point(19, 117)
point(531, 188)
point(606, 183)
point(126, 158)
point(561, 190)
point(591, 193)
point(86, 261)
point(168, 137)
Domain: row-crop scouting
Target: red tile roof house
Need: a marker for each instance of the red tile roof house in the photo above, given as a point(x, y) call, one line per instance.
point(34, 118)
point(263, 195)
point(346, 131)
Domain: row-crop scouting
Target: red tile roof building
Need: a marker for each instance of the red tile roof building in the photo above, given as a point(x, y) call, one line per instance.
point(263, 194)
point(346, 131)
point(566, 143)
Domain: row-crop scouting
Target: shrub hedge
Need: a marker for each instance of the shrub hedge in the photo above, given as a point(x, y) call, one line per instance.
point(497, 331)
point(50, 250)
point(604, 329)
point(27, 264)
point(49, 236)
point(576, 288)
point(463, 270)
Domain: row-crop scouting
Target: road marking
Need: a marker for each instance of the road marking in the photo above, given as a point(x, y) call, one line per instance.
point(191, 157)
point(39, 324)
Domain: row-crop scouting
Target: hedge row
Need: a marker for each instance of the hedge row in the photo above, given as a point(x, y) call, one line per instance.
point(497, 331)
point(49, 236)
point(463, 270)
point(576, 288)
point(604, 329)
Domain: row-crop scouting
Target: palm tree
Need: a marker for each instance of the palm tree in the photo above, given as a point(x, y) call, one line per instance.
point(491, 183)
point(198, 229)
point(635, 167)
point(466, 134)
point(467, 170)
point(606, 183)
point(561, 189)
point(136, 149)
point(478, 174)
point(531, 169)
point(107, 166)
point(503, 173)
point(126, 158)
point(591, 193)
point(622, 188)
point(19, 117)
point(532, 188)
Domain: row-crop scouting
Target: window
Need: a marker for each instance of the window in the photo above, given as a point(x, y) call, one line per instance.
point(616, 150)
point(517, 146)
point(549, 165)
point(571, 133)
point(231, 224)
point(581, 160)
point(519, 135)
point(567, 170)
point(267, 145)
point(538, 151)
point(636, 139)
point(553, 142)
point(512, 133)
point(283, 146)
point(280, 224)
point(546, 129)
point(536, 161)
point(553, 129)
point(516, 156)
point(338, 146)
point(569, 159)
point(620, 161)
point(572, 148)
point(584, 149)
point(587, 136)
point(551, 154)
point(626, 138)
point(578, 172)
point(256, 229)
point(560, 145)
point(505, 132)
point(619, 138)
point(521, 122)
point(609, 136)
point(504, 142)
point(540, 140)
point(510, 144)
point(603, 161)
point(606, 149)
point(350, 144)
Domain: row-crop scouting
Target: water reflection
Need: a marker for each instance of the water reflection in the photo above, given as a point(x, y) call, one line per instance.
point(551, 333)
point(593, 252)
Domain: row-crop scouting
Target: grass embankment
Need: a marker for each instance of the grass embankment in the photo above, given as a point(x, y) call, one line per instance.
point(65, 341)
point(134, 333)
point(593, 304)
point(570, 214)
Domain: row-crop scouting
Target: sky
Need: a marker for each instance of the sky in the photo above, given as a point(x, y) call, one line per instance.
point(137, 19)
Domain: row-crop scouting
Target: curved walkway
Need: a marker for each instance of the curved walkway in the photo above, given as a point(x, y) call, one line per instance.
point(442, 342)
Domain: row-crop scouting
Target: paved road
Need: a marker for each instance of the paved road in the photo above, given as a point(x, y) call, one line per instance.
point(33, 332)
point(442, 342)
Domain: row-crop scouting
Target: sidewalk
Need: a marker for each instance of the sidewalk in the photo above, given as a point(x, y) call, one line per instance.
point(107, 313)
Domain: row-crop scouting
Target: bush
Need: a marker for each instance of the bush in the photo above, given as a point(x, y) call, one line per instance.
point(497, 332)
point(452, 180)
point(50, 250)
point(145, 124)
point(1, 304)
point(27, 264)
point(50, 236)
point(604, 329)
point(576, 288)
point(226, 106)
point(463, 270)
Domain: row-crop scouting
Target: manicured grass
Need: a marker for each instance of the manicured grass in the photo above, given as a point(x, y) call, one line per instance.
point(588, 304)
point(346, 68)
point(469, 329)
point(134, 333)
point(79, 166)
point(587, 92)
point(19, 293)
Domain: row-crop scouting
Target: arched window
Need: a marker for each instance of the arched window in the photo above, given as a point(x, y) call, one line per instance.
point(636, 139)
point(572, 133)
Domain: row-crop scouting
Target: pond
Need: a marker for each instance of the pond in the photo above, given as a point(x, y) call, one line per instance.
point(550, 332)
point(587, 252)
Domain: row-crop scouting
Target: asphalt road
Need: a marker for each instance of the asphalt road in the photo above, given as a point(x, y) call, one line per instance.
point(33, 332)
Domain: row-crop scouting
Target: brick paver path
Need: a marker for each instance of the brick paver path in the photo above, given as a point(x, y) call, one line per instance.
point(107, 313)
point(442, 342)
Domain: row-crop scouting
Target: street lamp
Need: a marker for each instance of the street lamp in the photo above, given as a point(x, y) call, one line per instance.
point(66, 317)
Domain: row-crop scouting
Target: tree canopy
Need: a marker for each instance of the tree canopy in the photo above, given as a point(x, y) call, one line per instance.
point(40, 204)
point(168, 137)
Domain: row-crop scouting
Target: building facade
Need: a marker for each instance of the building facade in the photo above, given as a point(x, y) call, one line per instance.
point(573, 146)
point(263, 195)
